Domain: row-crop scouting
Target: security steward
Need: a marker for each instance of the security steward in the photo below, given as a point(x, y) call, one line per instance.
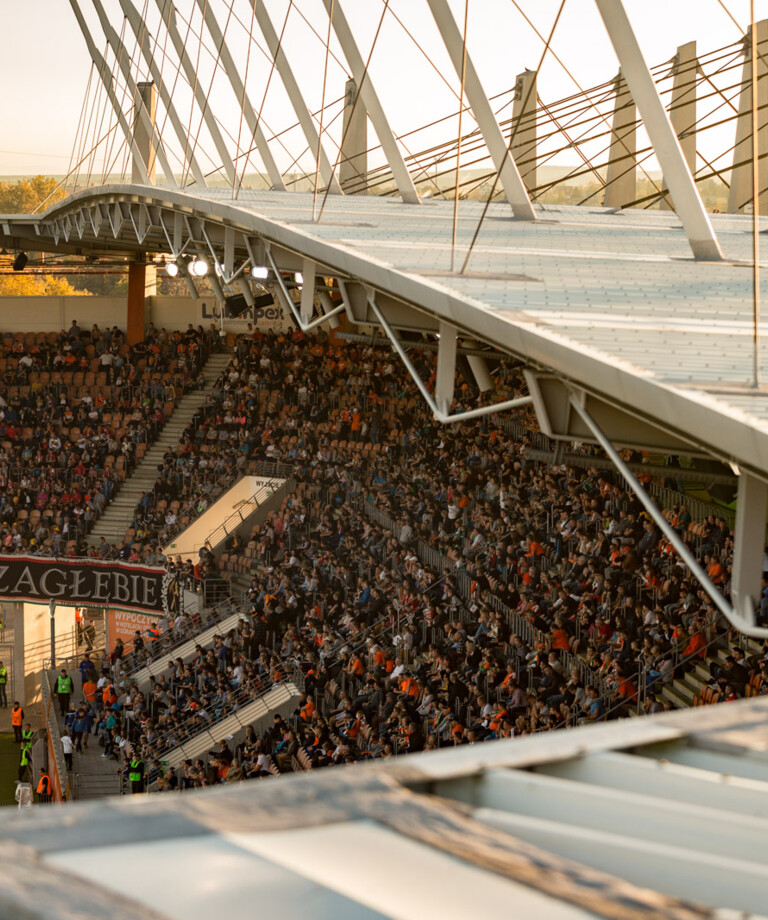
point(26, 754)
point(136, 774)
point(17, 718)
point(63, 691)
point(3, 686)
point(44, 787)
point(26, 737)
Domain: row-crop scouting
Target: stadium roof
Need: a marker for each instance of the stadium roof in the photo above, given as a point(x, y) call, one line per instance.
point(612, 301)
point(658, 817)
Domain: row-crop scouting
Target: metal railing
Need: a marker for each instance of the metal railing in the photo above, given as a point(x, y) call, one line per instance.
point(244, 511)
point(60, 778)
point(170, 641)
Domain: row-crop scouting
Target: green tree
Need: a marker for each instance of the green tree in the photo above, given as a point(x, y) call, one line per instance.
point(25, 284)
point(25, 195)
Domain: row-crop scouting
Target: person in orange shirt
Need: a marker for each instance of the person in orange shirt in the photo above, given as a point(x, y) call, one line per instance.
point(89, 694)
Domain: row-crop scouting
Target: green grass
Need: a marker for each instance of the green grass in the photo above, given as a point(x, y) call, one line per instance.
point(9, 765)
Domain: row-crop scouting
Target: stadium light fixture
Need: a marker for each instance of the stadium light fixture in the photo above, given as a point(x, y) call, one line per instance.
point(260, 272)
point(171, 269)
point(199, 268)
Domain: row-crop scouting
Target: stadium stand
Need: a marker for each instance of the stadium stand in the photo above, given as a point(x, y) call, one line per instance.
point(77, 410)
point(423, 586)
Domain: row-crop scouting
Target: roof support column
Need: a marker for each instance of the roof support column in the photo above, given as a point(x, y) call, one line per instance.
point(145, 109)
point(513, 185)
point(479, 368)
point(690, 208)
point(524, 109)
point(137, 299)
point(446, 368)
point(741, 176)
point(353, 166)
point(370, 100)
point(621, 176)
point(682, 110)
point(749, 545)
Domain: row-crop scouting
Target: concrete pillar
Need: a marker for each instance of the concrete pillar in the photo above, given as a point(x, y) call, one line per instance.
point(147, 98)
point(524, 109)
point(353, 167)
point(138, 276)
point(741, 175)
point(621, 184)
point(682, 112)
point(748, 544)
point(15, 612)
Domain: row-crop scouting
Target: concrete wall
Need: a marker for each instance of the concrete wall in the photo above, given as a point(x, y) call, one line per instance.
point(51, 314)
point(235, 499)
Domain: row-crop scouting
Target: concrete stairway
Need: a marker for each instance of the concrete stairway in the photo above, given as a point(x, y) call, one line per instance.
point(185, 650)
point(118, 515)
point(682, 692)
point(282, 699)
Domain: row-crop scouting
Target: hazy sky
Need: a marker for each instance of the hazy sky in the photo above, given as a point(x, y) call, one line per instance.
point(45, 66)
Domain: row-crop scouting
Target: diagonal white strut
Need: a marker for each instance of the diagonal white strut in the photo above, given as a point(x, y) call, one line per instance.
point(251, 118)
point(140, 30)
point(106, 79)
point(513, 185)
point(124, 60)
point(168, 13)
point(371, 102)
point(677, 175)
point(744, 619)
point(283, 67)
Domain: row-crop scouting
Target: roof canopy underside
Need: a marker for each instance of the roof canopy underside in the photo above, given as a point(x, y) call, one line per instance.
point(612, 301)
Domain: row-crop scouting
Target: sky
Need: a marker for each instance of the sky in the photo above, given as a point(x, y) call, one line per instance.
point(45, 66)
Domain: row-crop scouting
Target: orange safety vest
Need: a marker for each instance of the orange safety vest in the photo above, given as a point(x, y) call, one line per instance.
point(44, 786)
point(16, 716)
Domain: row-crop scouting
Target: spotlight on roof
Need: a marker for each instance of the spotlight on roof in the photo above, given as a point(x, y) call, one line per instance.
point(20, 262)
point(199, 268)
point(259, 271)
point(299, 278)
point(171, 269)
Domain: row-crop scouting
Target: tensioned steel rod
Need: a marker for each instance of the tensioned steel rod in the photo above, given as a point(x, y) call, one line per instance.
point(236, 82)
point(755, 205)
point(139, 28)
point(106, 79)
point(120, 52)
point(441, 416)
point(669, 532)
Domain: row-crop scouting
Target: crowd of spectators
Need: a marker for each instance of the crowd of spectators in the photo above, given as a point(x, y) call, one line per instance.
point(77, 409)
point(426, 586)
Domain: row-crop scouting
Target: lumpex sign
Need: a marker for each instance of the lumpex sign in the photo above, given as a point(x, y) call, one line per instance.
point(88, 583)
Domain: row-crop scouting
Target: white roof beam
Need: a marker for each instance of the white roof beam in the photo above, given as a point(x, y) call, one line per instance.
point(371, 102)
point(140, 30)
point(106, 79)
point(677, 175)
point(511, 181)
point(285, 71)
point(168, 13)
point(124, 61)
point(238, 87)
